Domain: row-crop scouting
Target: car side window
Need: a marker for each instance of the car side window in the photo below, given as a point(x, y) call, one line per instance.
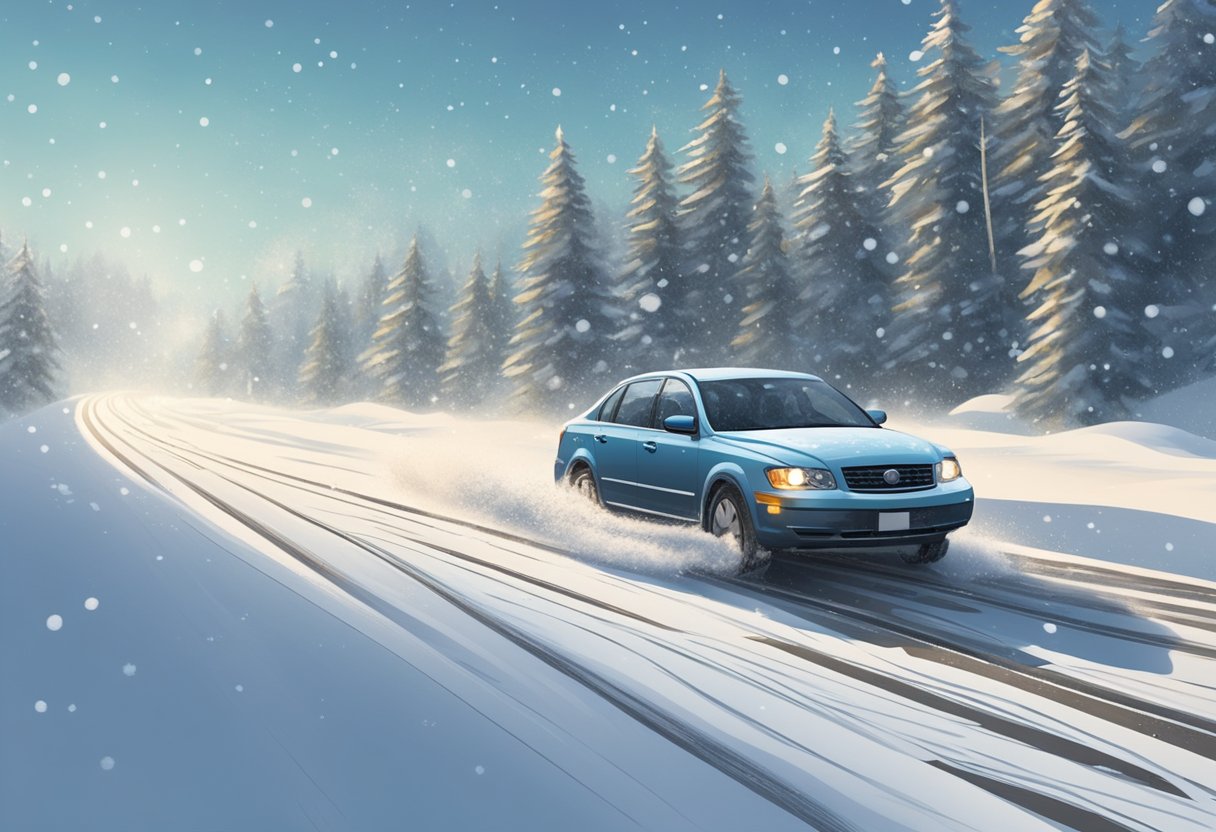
point(638, 403)
point(610, 403)
point(675, 400)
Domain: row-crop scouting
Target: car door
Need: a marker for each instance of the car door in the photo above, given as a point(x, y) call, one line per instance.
point(616, 444)
point(667, 462)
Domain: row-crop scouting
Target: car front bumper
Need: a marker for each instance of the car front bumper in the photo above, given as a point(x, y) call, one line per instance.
point(847, 520)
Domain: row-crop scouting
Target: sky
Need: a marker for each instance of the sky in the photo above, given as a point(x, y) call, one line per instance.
point(204, 143)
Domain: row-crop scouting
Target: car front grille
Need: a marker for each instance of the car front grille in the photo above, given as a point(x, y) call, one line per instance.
point(871, 478)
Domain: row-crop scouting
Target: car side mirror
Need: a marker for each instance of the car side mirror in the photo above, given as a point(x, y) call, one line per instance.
point(879, 416)
point(680, 424)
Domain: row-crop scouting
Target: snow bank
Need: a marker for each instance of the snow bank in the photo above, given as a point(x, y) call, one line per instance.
point(1161, 438)
point(991, 412)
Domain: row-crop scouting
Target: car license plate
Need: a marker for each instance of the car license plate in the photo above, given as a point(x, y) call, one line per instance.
point(894, 521)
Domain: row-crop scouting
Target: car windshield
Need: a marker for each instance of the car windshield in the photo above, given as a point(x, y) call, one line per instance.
point(776, 403)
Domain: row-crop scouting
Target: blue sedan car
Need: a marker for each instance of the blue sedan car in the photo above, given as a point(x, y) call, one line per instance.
point(775, 460)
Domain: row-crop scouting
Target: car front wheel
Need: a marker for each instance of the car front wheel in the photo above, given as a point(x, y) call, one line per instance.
point(728, 517)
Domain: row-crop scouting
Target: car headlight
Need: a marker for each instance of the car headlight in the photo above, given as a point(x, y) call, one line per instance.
point(948, 470)
point(801, 479)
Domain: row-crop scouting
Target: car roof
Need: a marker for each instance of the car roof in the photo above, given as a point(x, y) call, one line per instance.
point(722, 373)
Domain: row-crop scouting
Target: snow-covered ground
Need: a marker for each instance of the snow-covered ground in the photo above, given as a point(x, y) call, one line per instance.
point(221, 616)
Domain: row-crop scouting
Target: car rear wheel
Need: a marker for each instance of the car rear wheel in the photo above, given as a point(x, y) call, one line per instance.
point(929, 552)
point(728, 517)
point(583, 483)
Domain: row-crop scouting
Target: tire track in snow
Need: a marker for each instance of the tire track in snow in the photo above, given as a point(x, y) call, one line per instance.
point(697, 743)
point(1187, 731)
point(1037, 802)
point(1009, 596)
point(1190, 732)
point(675, 731)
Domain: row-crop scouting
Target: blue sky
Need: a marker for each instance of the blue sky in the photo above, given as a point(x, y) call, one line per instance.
point(204, 142)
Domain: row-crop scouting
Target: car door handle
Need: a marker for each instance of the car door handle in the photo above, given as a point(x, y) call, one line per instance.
point(651, 446)
point(599, 437)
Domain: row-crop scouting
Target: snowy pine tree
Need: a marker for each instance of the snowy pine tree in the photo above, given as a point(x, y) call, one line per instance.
point(408, 345)
point(1124, 75)
point(502, 321)
point(948, 336)
point(325, 373)
point(1173, 140)
point(769, 330)
point(253, 358)
point(471, 370)
point(1053, 35)
point(212, 368)
point(1085, 358)
point(714, 218)
point(294, 307)
point(562, 343)
point(370, 302)
point(28, 344)
point(650, 282)
point(846, 282)
point(874, 153)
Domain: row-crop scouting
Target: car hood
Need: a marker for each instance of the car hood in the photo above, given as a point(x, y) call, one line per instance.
point(835, 446)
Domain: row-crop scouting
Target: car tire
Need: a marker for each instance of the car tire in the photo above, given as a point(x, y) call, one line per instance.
point(929, 552)
point(728, 516)
point(583, 483)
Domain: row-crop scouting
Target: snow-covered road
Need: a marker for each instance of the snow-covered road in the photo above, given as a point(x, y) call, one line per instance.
point(513, 659)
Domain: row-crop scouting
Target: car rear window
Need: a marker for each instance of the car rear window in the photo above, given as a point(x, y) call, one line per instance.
point(776, 403)
point(610, 403)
